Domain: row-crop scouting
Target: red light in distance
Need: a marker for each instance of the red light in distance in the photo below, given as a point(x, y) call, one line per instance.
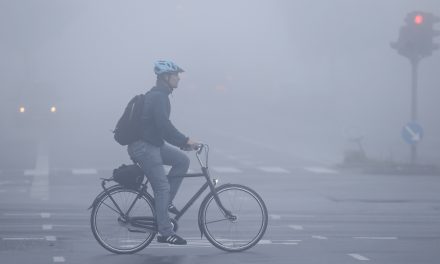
point(418, 19)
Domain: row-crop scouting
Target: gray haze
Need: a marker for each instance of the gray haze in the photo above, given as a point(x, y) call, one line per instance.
point(300, 76)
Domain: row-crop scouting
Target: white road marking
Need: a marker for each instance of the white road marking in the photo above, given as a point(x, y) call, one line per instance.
point(273, 169)
point(320, 237)
point(59, 259)
point(358, 257)
point(45, 215)
point(51, 238)
point(84, 171)
point(264, 241)
point(275, 217)
point(40, 184)
point(47, 227)
point(321, 170)
point(23, 238)
point(296, 227)
point(226, 170)
point(376, 238)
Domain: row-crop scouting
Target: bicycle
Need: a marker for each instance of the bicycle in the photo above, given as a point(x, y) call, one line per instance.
point(232, 217)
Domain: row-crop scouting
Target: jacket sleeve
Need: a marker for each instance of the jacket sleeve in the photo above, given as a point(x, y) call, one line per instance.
point(164, 125)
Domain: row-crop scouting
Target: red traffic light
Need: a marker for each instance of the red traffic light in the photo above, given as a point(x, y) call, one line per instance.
point(418, 19)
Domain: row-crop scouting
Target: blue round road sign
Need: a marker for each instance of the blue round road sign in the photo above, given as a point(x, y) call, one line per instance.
point(412, 133)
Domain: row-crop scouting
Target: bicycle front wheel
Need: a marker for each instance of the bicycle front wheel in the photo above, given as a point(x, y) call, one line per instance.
point(122, 221)
point(245, 225)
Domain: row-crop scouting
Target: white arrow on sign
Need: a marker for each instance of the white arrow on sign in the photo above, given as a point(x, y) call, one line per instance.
point(415, 136)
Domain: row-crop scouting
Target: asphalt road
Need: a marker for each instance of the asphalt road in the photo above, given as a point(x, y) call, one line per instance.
point(317, 214)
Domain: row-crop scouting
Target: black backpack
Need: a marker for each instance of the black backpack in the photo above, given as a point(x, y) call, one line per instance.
point(129, 128)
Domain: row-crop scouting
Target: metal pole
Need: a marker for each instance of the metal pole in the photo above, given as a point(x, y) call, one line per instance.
point(414, 113)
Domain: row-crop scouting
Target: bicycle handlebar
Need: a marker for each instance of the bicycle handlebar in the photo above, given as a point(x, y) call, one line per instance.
point(199, 148)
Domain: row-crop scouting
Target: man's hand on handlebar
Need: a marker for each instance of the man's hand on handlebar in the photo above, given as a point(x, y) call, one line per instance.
point(192, 145)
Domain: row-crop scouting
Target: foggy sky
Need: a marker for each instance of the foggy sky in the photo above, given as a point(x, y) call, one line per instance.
point(303, 74)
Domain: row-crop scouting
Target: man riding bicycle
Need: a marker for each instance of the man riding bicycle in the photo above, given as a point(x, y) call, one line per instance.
point(151, 153)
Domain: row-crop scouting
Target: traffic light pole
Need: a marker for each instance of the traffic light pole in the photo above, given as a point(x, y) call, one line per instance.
point(414, 113)
point(415, 42)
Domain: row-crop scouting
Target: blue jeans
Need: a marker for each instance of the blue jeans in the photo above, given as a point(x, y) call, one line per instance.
point(151, 159)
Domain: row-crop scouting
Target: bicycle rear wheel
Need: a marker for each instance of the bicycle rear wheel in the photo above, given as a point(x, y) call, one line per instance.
point(245, 227)
point(118, 231)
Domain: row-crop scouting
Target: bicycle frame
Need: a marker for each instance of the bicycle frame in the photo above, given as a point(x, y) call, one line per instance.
point(208, 184)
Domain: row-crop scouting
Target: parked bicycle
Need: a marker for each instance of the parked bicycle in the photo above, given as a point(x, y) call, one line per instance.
point(232, 217)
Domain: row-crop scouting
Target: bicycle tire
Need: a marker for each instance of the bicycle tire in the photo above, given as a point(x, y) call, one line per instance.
point(234, 235)
point(108, 227)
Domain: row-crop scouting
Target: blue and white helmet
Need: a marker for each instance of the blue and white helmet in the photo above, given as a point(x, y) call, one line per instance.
point(164, 66)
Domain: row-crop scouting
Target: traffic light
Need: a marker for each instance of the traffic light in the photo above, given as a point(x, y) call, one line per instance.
point(416, 37)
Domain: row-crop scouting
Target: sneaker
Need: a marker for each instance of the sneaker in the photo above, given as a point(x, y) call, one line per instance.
point(172, 209)
point(173, 239)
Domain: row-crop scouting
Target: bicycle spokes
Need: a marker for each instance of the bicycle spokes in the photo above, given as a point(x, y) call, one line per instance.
point(242, 225)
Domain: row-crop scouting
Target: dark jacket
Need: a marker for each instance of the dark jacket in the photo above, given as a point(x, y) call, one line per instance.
point(156, 124)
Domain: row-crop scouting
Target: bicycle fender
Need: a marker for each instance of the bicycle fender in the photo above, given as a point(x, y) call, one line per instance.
point(102, 194)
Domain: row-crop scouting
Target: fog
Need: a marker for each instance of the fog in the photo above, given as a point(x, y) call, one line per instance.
point(299, 77)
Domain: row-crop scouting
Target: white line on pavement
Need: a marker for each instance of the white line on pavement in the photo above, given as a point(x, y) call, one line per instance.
point(226, 170)
point(264, 241)
point(59, 259)
point(45, 215)
point(320, 237)
point(273, 169)
point(358, 257)
point(376, 238)
point(84, 171)
point(51, 238)
point(23, 238)
point(47, 227)
point(321, 170)
point(296, 227)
